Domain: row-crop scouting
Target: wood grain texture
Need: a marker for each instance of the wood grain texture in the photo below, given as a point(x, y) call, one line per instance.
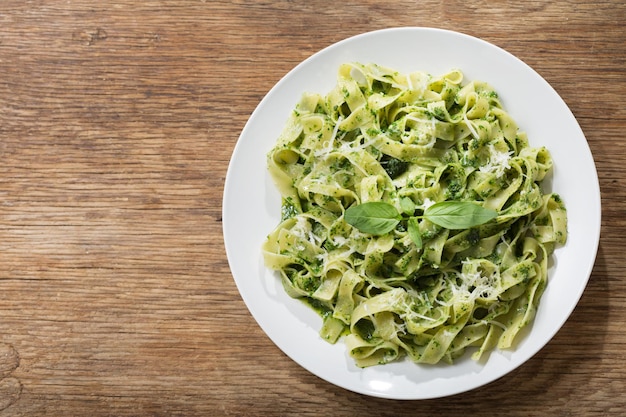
point(117, 122)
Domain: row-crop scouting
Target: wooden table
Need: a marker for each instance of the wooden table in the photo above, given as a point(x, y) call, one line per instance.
point(117, 122)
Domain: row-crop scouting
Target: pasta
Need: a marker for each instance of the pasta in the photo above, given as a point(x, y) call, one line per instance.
point(408, 142)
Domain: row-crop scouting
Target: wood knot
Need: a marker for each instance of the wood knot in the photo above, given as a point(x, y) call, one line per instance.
point(90, 37)
point(10, 387)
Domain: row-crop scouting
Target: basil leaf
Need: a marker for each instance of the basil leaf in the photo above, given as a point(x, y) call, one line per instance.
point(458, 214)
point(375, 217)
point(407, 205)
point(413, 227)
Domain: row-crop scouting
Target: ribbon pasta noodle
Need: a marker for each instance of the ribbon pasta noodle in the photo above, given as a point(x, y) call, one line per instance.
point(412, 140)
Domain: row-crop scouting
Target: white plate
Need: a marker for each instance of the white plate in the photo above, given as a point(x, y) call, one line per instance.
point(251, 207)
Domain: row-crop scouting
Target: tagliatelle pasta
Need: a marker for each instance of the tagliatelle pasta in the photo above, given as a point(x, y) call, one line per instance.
point(411, 141)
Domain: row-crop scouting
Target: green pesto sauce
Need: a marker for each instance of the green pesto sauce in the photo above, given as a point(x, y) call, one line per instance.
point(320, 308)
point(288, 209)
point(365, 329)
